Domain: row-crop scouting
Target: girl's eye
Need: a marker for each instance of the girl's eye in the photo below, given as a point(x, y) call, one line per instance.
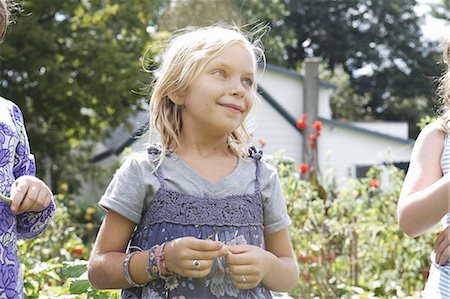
point(247, 82)
point(219, 73)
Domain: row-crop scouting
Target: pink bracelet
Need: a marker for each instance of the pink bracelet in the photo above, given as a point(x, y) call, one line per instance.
point(161, 260)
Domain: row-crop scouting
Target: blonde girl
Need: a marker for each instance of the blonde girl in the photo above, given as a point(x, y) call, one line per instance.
point(197, 216)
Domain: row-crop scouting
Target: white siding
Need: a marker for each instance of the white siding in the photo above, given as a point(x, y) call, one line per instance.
point(344, 149)
point(396, 129)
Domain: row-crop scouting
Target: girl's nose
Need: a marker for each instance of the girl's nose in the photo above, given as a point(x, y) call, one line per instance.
point(237, 88)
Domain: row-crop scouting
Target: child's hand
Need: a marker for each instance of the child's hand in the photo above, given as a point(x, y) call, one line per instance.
point(29, 193)
point(442, 246)
point(192, 257)
point(248, 265)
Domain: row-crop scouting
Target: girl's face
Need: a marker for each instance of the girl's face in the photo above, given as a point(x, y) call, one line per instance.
point(219, 99)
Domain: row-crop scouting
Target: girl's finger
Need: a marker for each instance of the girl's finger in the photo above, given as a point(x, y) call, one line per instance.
point(444, 256)
point(441, 238)
point(41, 202)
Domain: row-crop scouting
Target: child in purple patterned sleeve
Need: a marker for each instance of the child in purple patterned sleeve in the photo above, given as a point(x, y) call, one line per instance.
point(29, 207)
point(197, 215)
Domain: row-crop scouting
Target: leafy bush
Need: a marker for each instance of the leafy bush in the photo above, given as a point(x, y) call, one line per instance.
point(347, 239)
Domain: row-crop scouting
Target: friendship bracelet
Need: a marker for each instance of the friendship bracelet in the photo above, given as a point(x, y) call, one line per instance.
point(126, 271)
point(152, 267)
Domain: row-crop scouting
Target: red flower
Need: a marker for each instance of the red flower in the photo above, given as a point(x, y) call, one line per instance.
point(304, 116)
point(313, 137)
point(78, 250)
point(312, 145)
point(262, 142)
point(374, 184)
point(317, 125)
point(307, 276)
point(303, 168)
point(302, 124)
point(303, 258)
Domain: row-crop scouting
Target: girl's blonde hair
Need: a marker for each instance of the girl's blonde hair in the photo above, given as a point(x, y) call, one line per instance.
point(185, 56)
point(4, 18)
point(444, 88)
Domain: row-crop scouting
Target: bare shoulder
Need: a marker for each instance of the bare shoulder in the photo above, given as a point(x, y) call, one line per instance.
point(428, 149)
point(431, 136)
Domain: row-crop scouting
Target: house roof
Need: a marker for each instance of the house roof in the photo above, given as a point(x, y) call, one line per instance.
point(293, 74)
point(111, 149)
point(293, 122)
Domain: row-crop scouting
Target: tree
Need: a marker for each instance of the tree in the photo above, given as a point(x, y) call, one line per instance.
point(182, 13)
point(377, 43)
point(72, 67)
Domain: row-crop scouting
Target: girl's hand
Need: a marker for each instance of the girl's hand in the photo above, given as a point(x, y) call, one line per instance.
point(29, 193)
point(192, 257)
point(442, 247)
point(248, 265)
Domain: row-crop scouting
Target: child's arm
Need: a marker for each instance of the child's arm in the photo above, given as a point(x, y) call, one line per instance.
point(275, 267)
point(424, 198)
point(106, 260)
point(106, 264)
point(31, 198)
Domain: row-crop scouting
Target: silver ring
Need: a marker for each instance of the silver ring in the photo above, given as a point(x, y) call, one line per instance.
point(196, 264)
point(243, 279)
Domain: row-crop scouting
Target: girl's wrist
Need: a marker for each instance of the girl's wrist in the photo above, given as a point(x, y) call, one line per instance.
point(161, 258)
point(156, 267)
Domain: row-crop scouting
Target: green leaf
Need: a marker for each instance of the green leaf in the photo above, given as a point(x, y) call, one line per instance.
point(74, 268)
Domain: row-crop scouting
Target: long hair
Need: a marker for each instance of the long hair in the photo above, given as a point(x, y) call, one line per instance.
point(186, 54)
point(444, 88)
point(4, 18)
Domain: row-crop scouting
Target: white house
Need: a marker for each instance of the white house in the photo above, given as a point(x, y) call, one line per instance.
point(348, 147)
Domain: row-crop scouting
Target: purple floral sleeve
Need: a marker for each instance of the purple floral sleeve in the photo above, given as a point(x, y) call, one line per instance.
point(29, 224)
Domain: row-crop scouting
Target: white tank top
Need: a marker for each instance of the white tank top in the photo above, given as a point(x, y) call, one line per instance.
point(445, 165)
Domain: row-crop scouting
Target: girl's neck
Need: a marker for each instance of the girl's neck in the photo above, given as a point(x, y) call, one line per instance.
point(200, 146)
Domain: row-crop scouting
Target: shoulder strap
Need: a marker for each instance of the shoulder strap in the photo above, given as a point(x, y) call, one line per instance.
point(154, 151)
point(256, 155)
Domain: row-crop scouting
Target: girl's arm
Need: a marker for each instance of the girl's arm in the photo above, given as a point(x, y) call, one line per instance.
point(424, 198)
point(275, 267)
point(283, 274)
point(106, 261)
point(106, 264)
point(35, 210)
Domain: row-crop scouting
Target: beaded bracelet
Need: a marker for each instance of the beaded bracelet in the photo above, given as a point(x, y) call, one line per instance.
point(126, 271)
point(161, 260)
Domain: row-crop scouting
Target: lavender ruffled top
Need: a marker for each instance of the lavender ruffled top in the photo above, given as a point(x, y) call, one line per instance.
point(15, 161)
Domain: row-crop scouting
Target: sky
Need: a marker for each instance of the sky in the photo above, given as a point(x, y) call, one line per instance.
point(433, 29)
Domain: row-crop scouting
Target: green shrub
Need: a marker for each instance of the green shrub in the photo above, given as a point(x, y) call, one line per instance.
point(347, 239)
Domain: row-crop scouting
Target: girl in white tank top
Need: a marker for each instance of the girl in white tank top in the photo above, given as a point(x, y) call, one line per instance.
point(425, 196)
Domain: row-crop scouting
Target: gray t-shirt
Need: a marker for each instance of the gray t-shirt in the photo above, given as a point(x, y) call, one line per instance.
point(135, 184)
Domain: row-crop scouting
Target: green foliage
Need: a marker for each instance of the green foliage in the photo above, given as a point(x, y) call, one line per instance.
point(73, 66)
point(349, 245)
point(54, 264)
point(180, 14)
point(425, 121)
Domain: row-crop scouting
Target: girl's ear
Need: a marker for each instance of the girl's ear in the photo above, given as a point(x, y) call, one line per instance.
point(176, 97)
